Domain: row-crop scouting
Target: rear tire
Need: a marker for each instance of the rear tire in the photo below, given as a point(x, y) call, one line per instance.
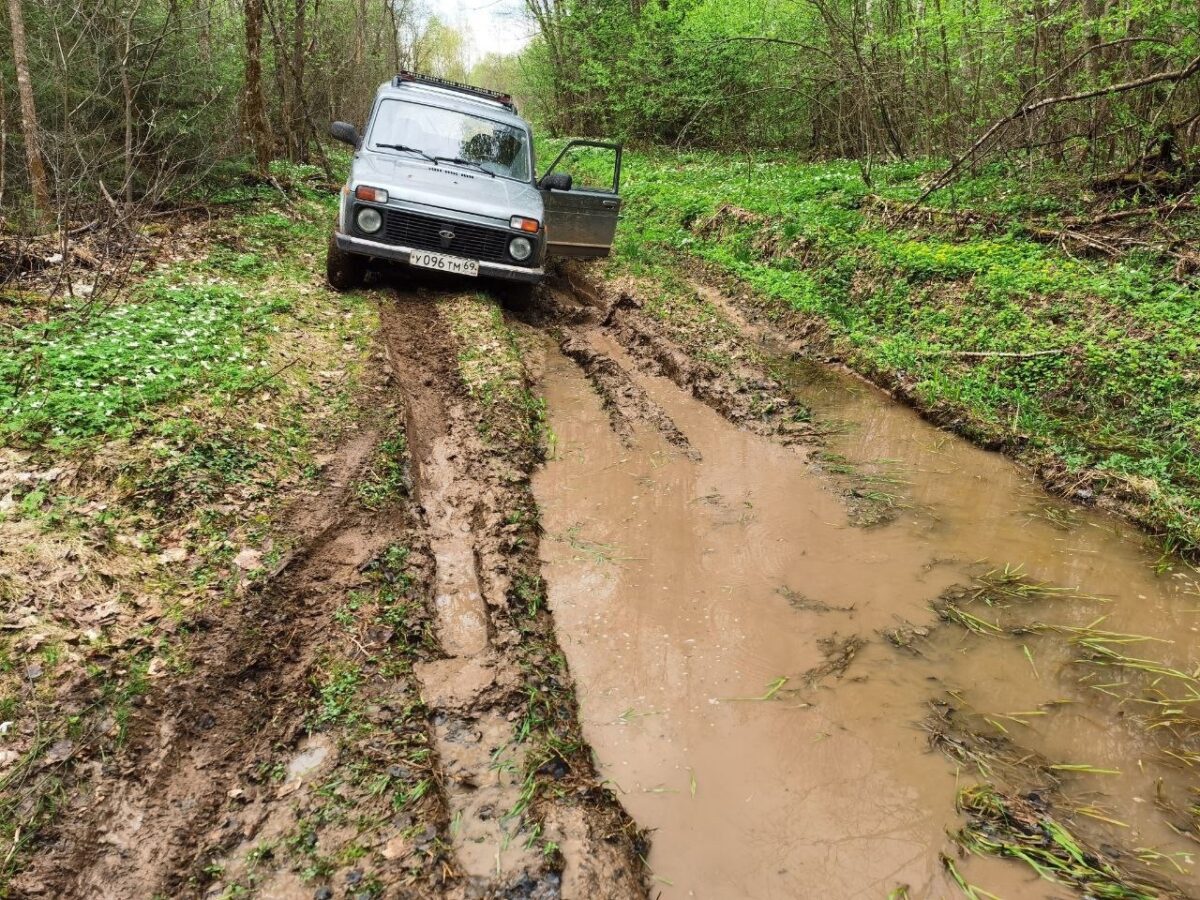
point(344, 271)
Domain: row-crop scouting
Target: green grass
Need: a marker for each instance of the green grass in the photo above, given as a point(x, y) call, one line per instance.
point(1113, 392)
point(387, 479)
point(1013, 828)
point(490, 368)
point(66, 380)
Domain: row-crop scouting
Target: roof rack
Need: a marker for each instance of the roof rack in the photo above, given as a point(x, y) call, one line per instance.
point(503, 99)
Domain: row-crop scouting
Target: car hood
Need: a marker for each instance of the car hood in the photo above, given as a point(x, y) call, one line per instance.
point(447, 187)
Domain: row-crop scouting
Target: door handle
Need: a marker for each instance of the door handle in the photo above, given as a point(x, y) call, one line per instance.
point(609, 203)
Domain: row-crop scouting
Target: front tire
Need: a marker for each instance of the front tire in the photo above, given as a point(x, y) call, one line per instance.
point(344, 271)
point(518, 294)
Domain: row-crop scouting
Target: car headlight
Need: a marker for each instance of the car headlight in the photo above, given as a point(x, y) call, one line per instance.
point(520, 248)
point(369, 219)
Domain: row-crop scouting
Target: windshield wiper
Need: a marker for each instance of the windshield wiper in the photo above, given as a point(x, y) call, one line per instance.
point(409, 150)
point(459, 161)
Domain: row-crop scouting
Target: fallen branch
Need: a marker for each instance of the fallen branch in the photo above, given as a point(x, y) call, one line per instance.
point(1027, 108)
point(254, 387)
point(1163, 209)
point(1070, 229)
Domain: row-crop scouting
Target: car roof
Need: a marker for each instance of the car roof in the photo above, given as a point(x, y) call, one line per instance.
point(450, 99)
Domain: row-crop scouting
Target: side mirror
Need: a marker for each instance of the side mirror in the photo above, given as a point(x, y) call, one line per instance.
point(556, 181)
point(344, 132)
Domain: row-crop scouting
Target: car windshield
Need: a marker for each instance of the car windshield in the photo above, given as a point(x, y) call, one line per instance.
point(493, 146)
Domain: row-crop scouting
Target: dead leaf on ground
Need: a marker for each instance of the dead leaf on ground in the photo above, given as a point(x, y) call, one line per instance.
point(172, 555)
point(59, 751)
point(248, 559)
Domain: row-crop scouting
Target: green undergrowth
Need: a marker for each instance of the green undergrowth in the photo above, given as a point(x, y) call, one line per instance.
point(199, 326)
point(148, 444)
point(69, 380)
point(1088, 368)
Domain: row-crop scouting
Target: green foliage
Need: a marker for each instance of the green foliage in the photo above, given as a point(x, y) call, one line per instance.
point(69, 380)
point(387, 479)
point(142, 103)
point(337, 690)
point(891, 79)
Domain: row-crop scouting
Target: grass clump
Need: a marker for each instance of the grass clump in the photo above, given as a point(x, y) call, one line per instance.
point(1014, 827)
point(388, 478)
point(491, 368)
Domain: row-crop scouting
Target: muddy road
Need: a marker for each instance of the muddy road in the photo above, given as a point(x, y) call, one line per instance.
point(793, 702)
point(582, 609)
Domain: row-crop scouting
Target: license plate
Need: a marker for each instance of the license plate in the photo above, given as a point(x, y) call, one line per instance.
point(443, 263)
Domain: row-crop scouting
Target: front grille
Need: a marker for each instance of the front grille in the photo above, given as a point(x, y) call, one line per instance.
point(421, 233)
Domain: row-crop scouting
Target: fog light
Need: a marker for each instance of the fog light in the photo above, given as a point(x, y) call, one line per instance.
point(520, 248)
point(369, 220)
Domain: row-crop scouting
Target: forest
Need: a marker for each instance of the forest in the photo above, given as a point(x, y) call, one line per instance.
point(106, 105)
point(1091, 85)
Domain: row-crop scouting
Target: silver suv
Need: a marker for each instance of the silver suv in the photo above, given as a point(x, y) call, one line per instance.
point(443, 178)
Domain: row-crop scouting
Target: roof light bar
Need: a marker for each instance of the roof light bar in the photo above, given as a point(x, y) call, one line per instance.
point(503, 99)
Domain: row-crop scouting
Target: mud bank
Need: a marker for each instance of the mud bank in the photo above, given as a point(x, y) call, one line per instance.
point(757, 675)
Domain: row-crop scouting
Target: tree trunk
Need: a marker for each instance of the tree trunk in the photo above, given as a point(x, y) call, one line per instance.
point(204, 12)
point(359, 47)
point(298, 125)
point(3, 142)
point(38, 183)
point(127, 101)
point(255, 105)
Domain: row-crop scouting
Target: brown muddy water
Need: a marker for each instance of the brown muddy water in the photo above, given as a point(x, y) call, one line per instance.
point(705, 607)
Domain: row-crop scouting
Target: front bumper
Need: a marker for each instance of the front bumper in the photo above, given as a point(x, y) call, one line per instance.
point(351, 244)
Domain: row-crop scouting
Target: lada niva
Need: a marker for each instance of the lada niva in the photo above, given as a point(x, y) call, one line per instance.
point(443, 178)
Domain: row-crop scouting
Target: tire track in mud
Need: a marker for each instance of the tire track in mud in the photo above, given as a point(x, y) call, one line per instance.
point(744, 393)
point(153, 817)
point(480, 764)
point(625, 400)
point(503, 825)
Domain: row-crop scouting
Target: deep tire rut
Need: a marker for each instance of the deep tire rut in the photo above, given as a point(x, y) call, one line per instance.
point(236, 778)
point(511, 836)
point(192, 742)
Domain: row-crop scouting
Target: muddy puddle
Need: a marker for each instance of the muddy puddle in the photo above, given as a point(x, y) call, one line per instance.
point(760, 679)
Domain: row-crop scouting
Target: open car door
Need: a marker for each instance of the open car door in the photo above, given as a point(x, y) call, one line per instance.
point(581, 221)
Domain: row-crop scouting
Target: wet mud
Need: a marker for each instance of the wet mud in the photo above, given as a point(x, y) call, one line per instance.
point(185, 789)
point(807, 642)
point(378, 714)
point(508, 836)
point(793, 703)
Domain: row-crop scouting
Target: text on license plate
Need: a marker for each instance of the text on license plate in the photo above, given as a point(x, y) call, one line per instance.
point(444, 263)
